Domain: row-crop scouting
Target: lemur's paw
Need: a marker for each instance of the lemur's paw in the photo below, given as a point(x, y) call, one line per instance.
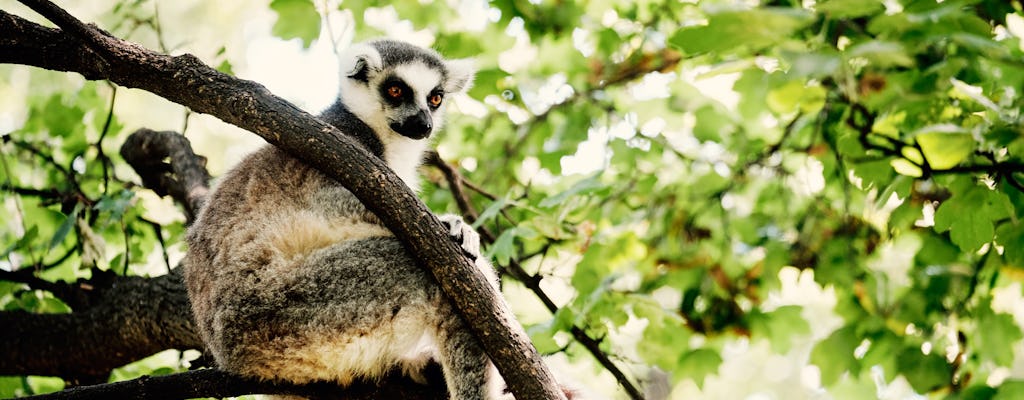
point(463, 234)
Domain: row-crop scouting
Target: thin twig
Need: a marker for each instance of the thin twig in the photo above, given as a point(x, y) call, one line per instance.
point(104, 160)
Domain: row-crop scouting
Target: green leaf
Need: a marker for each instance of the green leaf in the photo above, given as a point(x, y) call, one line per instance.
point(794, 96)
point(978, 392)
point(924, 372)
point(1011, 237)
point(841, 9)
point(45, 384)
point(1010, 390)
point(853, 389)
point(698, 364)
point(504, 247)
point(116, 204)
point(834, 355)
point(814, 64)
point(996, 333)
point(753, 28)
point(904, 167)
point(586, 185)
point(491, 211)
point(875, 174)
point(781, 326)
point(12, 386)
point(883, 345)
point(65, 227)
point(968, 216)
point(60, 118)
point(543, 337)
point(296, 19)
point(226, 67)
point(881, 54)
point(945, 150)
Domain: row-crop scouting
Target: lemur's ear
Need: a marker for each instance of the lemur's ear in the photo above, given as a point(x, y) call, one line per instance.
point(460, 75)
point(359, 62)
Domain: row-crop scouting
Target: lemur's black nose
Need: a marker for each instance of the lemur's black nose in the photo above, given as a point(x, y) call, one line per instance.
point(415, 127)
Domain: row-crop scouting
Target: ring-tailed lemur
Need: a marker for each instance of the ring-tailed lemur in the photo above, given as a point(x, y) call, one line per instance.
point(292, 278)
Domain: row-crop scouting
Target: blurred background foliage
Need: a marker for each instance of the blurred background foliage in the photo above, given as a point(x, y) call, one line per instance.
point(758, 199)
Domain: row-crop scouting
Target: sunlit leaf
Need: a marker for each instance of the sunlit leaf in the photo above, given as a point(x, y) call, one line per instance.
point(969, 216)
point(881, 54)
point(849, 8)
point(945, 150)
point(752, 28)
point(698, 364)
point(296, 19)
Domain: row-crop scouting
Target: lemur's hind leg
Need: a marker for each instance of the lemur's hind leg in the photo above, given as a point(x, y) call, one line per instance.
point(468, 371)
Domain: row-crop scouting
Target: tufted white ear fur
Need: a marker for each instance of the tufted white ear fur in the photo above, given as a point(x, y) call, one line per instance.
point(359, 60)
point(460, 75)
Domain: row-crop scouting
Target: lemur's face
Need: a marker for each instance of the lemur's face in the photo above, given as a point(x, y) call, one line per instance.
point(400, 88)
point(411, 97)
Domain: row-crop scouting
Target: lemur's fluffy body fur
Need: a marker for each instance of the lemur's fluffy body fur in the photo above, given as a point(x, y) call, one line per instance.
point(292, 278)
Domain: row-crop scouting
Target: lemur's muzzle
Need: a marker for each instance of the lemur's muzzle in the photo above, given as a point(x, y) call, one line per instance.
point(415, 127)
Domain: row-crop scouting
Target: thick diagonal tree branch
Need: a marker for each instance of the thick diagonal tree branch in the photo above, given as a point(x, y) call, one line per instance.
point(187, 81)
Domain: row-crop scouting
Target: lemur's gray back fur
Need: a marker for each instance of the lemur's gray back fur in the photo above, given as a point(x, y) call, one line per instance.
point(292, 278)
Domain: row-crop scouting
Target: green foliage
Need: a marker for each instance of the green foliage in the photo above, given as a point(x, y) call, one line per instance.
point(840, 182)
point(969, 214)
point(296, 19)
point(698, 364)
point(834, 356)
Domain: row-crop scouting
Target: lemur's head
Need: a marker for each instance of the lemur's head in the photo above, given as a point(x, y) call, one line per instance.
point(399, 88)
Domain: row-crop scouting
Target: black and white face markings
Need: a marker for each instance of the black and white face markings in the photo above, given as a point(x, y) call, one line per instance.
point(411, 113)
point(410, 87)
point(400, 88)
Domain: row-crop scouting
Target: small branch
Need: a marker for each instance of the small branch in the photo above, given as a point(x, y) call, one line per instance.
point(158, 231)
point(102, 156)
point(94, 38)
point(478, 189)
point(185, 179)
point(44, 194)
point(26, 277)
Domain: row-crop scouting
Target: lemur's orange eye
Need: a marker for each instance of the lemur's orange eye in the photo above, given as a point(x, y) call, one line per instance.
point(395, 92)
point(435, 100)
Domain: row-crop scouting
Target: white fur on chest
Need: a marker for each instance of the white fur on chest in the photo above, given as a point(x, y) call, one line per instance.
point(404, 156)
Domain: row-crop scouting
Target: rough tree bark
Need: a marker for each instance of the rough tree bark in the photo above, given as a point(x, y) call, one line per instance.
point(187, 81)
point(144, 315)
